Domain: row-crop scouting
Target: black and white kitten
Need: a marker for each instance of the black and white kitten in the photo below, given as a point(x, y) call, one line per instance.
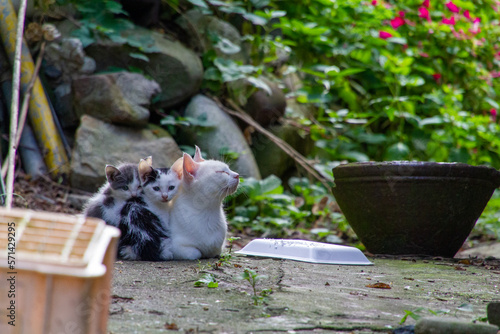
point(122, 184)
point(144, 220)
point(143, 236)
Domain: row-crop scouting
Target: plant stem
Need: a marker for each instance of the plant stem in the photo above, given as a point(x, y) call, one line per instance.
point(15, 104)
point(26, 100)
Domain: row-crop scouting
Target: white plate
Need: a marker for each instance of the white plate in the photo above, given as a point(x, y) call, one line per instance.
point(306, 251)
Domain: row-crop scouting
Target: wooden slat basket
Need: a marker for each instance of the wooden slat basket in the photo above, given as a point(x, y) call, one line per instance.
point(56, 271)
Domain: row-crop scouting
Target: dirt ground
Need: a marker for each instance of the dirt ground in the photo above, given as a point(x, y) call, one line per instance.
point(303, 297)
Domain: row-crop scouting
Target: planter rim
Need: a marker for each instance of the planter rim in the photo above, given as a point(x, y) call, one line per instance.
point(410, 169)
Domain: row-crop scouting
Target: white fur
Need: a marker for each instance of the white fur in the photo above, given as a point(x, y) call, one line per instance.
point(196, 218)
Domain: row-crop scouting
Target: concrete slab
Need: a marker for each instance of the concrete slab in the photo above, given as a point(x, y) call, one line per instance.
point(160, 297)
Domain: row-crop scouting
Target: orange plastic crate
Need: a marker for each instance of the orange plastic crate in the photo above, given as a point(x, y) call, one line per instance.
point(62, 267)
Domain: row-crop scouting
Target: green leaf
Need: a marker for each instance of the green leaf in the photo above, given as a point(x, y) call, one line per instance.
point(199, 3)
point(491, 102)
point(260, 84)
point(398, 151)
point(260, 3)
point(269, 184)
point(115, 7)
point(227, 47)
point(255, 19)
point(140, 56)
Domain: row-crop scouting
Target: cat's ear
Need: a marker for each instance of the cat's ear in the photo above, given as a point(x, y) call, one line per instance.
point(177, 168)
point(111, 173)
point(145, 169)
point(197, 155)
point(189, 168)
point(149, 160)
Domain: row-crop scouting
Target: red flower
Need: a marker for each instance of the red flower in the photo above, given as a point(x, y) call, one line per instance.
point(424, 55)
point(493, 113)
point(374, 2)
point(424, 13)
point(467, 14)
point(397, 22)
point(452, 7)
point(401, 14)
point(450, 21)
point(436, 76)
point(426, 3)
point(384, 34)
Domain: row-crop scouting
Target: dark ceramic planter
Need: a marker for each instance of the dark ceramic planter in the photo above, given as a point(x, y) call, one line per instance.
point(417, 208)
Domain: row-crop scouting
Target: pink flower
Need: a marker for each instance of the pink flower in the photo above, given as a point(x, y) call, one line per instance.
point(477, 20)
point(384, 34)
point(397, 22)
point(452, 7)
point(426, 3)
point(495, 74)
point(424, 54)
point(401, 14)
point(467, 14)
point(450, 21)
point(493, 113)
point(436, 76)
point(374, 2)
point(424, 13)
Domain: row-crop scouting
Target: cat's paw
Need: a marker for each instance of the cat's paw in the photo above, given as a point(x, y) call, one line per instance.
point(166, 253)
point(128, 253)
point(187, 253)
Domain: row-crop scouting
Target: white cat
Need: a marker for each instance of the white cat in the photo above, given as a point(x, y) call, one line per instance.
point(197, 222)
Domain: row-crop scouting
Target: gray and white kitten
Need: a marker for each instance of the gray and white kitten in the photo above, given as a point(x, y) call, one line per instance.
point(122, 184)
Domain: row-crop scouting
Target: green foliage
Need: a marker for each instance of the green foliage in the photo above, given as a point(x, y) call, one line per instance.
point(208, 280)
point(269, 210)
point(106, 20)
point(252, 277)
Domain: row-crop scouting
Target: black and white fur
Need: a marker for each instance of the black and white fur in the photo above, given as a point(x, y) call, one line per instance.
point(122, 184)
point(143, 236)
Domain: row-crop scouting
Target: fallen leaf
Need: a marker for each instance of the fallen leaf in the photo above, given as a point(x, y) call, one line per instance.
point(460, 268)
point(409, 278)
point(171, 327)
point(327, 284)
point(379, 286)
point(465, 261)
point(237, 265)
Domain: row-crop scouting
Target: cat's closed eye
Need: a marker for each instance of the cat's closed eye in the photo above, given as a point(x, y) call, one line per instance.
point(156, 188)
point(222, 171)
point(171, 188)
point(125, 187)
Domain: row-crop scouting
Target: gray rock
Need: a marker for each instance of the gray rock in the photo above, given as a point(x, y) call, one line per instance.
point(200, 28)
point(99, 143)
point(493, 311)
point(224, 134)
point(66, 60)
point(118, 98)
point(266, 108)
point(67, 56)
point(177, 69)
point(450, 326)
point(271, 159)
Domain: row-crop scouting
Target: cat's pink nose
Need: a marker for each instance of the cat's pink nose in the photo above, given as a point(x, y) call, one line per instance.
point(164, 197)
point(236, 176)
